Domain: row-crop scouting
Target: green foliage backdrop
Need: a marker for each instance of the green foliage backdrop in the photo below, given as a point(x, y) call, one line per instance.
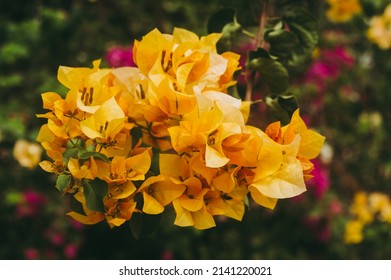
point(348, 104)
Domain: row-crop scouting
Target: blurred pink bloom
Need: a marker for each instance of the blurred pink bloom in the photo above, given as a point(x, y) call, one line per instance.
point(339, 56)
point(31, 204)
point(335, 207)
point(320, 183)
point(243, 51)
point(328, 66)
point(120, 57)
point(31, 254)
point(167, 255)
point(57, 239)
point(70, 251)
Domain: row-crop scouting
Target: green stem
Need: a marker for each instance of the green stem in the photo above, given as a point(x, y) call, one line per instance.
point(249, 34)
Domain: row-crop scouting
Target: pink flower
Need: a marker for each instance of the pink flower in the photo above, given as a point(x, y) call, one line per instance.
point(120, 57)
point(31, 254)
point(335, 207)
point(320, 183)
point(167, 255)
point(339, 56)
point(70, 251)
point(329, 65)
point(31, 204)
point(57, 239)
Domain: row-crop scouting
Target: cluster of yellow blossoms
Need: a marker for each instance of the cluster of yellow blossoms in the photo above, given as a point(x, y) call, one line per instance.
point(343, 10)
point(379, 30)
point(166, 133)
point(365, 209)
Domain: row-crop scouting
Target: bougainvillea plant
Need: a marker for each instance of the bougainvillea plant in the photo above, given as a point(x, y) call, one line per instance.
point(171, 132)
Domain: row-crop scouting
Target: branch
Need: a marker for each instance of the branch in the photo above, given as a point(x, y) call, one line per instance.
point(260, 43)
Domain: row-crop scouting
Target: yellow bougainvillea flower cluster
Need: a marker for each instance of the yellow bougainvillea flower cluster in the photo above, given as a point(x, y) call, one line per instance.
point(366, 208)
point(379, 30)
point(166, 133)
point(343, 10)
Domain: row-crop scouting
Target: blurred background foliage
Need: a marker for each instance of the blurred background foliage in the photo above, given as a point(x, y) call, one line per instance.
point(344, 92)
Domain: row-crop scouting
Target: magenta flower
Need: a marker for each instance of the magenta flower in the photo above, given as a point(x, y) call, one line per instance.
point(31, 204)
point(320, 183)
point(31, 254)
point(57, 239)
point(120, 57)
point(70, 251)
point(329, 65)
point(167, 255)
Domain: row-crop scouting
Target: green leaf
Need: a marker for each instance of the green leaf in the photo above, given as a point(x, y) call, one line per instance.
point(63, 182)
point(142, 225)
point(305, 27)
point(281, 42)
point(11, 52)
point(282, 107)
point(303, 18)
point(75, 205)
point(273, 73)
point(84, 155)
point(94, 192)
point(70, 153)
point(225, 22)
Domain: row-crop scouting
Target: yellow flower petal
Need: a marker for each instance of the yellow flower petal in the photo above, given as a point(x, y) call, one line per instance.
point(225, 182)
point(151, 205)
point(214, 158)
point(121, 191)
point(311, 144)
point(45, 134)
point(183, 217)
point(287, 182)
point(92, 218)
point(181, 35)
point(203, 219)
point(49, 98)
point(139, 164)
point(173, 165)
point(261, 199)
point(191, 204)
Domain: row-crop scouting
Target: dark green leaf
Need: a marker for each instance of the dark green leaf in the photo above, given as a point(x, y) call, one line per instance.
point(143, 225)
point(75, 205)
point(282, 107)
point(281, 42)
point(305, 27)
point(83, 155)
point(70, 153)
point(94, 192)
point(224, 21)
point(273, 73)
point(63, 181)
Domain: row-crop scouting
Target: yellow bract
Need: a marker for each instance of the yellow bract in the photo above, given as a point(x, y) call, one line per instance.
point(365, 209)
point(379, 29)
point(343, 10)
